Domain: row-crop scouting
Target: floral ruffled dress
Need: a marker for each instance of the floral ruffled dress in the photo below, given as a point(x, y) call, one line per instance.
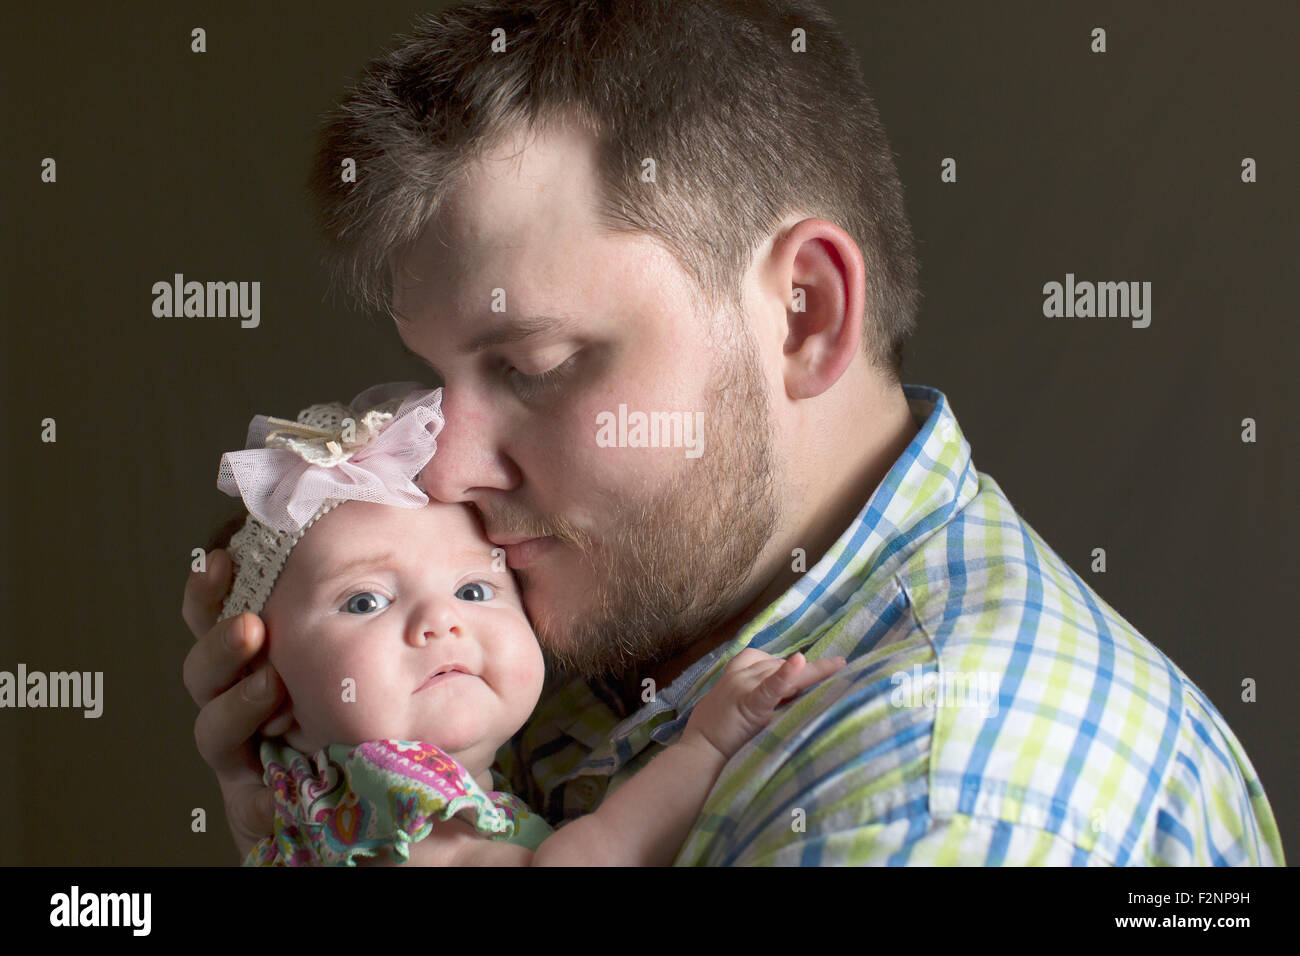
point(356, 801)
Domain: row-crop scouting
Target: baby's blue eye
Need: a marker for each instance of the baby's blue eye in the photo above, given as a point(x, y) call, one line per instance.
point(365, 602)
point(483, 591)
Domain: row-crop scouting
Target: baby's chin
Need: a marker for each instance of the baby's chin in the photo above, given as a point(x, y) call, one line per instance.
point(466, 748)
point(310, 741)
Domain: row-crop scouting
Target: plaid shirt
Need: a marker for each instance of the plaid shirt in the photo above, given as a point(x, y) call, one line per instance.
point(994, 710)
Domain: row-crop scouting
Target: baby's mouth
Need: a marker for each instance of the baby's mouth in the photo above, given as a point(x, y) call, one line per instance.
point(444, 673)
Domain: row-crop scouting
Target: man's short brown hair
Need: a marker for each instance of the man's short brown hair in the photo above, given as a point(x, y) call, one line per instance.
point(744, 131)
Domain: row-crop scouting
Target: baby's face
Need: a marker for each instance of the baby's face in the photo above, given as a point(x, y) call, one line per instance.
point(372, 603)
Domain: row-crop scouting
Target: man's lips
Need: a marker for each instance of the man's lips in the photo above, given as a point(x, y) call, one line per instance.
point(521, 549)
point(525, 552)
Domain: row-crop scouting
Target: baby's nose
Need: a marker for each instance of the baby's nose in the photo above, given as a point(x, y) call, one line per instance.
point(436, 621)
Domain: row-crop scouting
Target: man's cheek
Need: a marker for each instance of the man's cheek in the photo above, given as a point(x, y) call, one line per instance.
point(549, 605)
point(533, 592)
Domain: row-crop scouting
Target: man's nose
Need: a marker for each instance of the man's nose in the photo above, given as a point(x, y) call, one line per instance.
point(469, 457)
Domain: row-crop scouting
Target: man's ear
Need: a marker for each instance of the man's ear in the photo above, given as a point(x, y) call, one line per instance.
point(820, 267)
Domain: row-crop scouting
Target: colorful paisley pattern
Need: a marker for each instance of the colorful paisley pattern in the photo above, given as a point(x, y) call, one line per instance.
point(344, 802)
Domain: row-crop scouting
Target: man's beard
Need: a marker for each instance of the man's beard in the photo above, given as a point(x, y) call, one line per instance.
point(669, 568)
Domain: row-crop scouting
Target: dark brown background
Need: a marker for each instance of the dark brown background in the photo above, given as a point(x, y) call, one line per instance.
point(1122, 166)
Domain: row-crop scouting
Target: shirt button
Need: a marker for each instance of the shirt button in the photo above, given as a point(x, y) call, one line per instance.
point(587, 792)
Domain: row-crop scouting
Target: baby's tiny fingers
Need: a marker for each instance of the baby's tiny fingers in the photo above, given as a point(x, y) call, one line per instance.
point(781, 681)
point(826, 666)
point(817, 671)
point(750, 657)
point(792, 666)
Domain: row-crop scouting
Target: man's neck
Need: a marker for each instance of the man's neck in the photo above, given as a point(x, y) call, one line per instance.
point(821, 526)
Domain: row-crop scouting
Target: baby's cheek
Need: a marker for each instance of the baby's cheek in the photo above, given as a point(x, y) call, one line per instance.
point(527, 672)
point(331, 701)
point(357, 710)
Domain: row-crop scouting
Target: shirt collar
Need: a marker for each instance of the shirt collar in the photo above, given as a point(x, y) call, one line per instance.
point(931, 482)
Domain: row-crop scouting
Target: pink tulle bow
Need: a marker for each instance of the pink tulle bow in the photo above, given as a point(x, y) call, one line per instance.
point(284, 487)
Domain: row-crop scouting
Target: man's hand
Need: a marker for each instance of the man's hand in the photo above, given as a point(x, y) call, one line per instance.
point(753, 685)
point(235, 698)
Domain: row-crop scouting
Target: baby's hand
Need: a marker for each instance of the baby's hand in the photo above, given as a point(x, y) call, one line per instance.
point(753, 685)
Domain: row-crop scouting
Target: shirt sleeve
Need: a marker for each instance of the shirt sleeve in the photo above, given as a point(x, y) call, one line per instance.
point(1211, 809)
point(841, 780)
point(851, 788)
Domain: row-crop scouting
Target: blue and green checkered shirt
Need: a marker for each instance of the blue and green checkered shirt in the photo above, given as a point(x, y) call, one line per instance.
point(994, 710)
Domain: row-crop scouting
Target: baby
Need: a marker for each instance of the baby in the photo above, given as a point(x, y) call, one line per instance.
point(409, 661)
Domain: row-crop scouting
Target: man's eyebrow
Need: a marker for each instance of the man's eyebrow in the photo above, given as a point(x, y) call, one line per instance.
point(512, 331)
point(517, 330)
point(422, 360)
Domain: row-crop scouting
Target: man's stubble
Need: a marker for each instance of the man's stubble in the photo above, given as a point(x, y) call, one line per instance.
point(672, 565)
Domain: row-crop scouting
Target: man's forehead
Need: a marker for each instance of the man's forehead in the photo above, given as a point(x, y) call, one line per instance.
point(525, 187)
point(444, 274)
point(523, 207)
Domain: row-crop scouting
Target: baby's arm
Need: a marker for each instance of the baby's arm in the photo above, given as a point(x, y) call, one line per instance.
point(645, 821)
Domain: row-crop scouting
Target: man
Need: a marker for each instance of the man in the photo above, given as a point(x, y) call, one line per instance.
point(663, 208)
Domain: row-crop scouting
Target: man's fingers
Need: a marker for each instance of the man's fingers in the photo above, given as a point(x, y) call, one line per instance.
point(226, 723)
point(280, 722)
point(222, 656)
point(230, 708)
point(206, 592)
point(250, 810)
